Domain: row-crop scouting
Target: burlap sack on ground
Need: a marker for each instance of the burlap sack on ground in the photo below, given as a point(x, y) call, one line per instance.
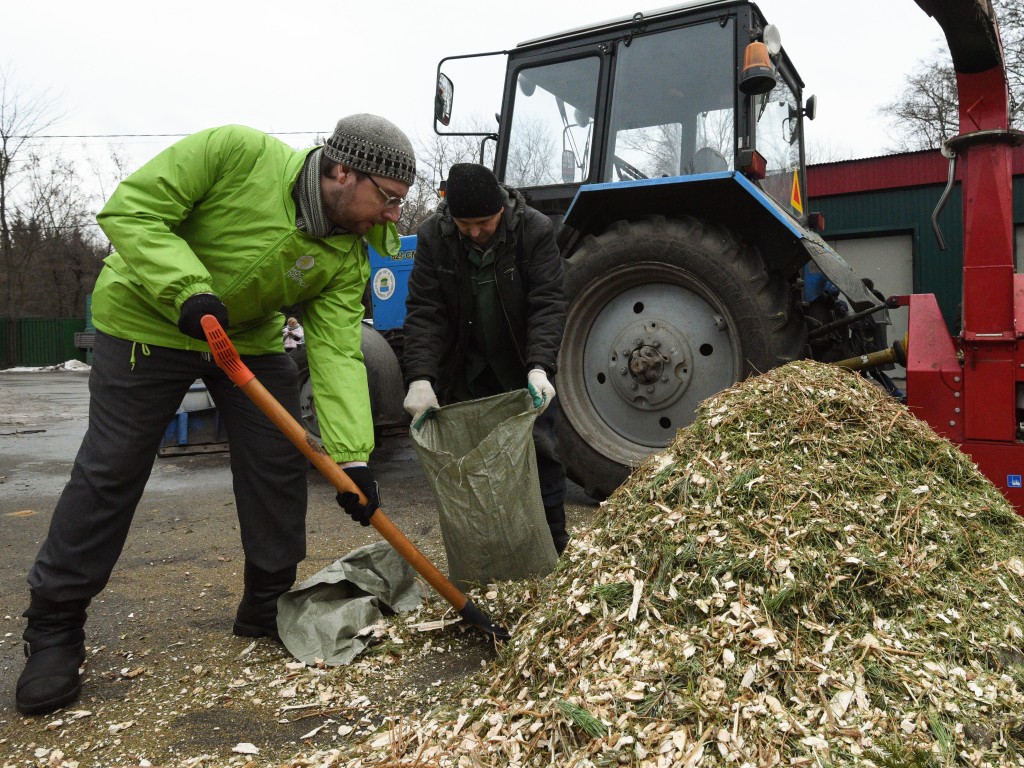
point(322, 618)
point(480, 461)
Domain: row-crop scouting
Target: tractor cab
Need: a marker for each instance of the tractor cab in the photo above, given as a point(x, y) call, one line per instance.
point(699, 88)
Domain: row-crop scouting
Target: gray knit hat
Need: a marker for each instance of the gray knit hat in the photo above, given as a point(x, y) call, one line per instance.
point(373, 145)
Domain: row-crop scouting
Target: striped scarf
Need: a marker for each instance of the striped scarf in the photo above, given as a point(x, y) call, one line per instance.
point(311, 217)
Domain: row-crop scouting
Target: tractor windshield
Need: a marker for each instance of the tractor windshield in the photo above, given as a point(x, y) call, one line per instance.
point(668, 119)
point(670, 111)
point(664, 119)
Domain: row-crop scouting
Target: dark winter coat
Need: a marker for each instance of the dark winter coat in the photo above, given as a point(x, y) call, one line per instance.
point(439, 307)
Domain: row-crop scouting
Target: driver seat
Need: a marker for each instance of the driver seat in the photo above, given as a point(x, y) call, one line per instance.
point(708, 160)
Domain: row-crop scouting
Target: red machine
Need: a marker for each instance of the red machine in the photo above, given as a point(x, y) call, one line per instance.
point(970, 389)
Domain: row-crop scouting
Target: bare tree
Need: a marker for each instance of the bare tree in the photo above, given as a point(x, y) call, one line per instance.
point(925, 114)
point(715, 129)
point(1011, 30)
point(66, 259)
point(107, 175)
point(22, 118)
point(654, 150)
point(437, 154)
point(821, 152)
point(532, 144)
point(419, 204)
point(434, 156)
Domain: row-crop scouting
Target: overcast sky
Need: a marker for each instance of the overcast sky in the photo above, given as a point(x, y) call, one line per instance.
point(295, 67)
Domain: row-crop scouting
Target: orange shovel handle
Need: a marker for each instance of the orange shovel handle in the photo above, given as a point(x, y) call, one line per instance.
point(228, 360)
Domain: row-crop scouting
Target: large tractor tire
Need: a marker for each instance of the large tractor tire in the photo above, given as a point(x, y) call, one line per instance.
point(663, 313)
point(384, 376)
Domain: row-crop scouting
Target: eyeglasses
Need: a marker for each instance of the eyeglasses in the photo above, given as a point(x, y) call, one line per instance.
point(389, 201)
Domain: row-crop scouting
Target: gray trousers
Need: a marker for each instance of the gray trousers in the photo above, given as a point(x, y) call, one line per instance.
point(129, 411)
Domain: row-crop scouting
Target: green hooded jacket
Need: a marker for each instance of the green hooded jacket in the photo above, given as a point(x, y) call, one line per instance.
point(214, 213)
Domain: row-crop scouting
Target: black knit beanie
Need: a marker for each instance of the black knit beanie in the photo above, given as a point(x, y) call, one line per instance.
point(373, 145)
point(472, 191)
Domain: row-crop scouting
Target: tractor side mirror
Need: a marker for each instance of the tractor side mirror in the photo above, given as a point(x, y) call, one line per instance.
point(811, 107)
point(443, 98)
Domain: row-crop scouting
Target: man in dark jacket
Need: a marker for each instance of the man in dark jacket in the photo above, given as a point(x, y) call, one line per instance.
point(486, 311)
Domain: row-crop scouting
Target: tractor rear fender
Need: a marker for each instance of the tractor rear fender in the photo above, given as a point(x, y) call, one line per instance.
point(727, 199)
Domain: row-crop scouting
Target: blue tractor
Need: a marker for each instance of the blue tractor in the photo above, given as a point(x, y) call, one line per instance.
point(667, 148)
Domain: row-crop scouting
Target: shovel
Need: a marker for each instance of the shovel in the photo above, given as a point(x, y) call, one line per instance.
point(229, 361)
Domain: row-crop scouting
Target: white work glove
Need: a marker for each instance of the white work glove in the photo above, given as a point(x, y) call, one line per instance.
point(541, 389)
point(420, 398)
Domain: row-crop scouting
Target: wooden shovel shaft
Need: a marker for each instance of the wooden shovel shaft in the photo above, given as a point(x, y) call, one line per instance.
point(229, 361)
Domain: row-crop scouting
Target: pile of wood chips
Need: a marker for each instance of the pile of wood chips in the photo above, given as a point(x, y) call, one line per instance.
point(808, 576)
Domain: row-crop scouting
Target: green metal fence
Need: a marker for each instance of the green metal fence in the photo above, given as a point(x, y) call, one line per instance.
point(35, 342)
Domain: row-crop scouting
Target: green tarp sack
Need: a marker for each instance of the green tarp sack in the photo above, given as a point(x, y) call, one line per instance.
point(480, 461)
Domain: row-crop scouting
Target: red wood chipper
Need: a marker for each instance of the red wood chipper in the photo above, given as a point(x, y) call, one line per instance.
point(970, 388)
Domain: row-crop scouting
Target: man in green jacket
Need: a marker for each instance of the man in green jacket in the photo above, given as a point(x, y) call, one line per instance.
point(233, 223)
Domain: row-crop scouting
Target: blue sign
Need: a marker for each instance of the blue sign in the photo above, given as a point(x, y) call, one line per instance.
point(1013, 481)
point(389, 281)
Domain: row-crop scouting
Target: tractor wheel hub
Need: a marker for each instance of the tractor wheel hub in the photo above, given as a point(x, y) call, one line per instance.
point(649, 364)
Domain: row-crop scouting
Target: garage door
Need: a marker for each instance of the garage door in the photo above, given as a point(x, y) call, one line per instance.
point(889, 261)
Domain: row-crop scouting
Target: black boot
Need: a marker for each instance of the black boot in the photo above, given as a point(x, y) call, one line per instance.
point(257, 612)
point(556, 522)
point(55, 647)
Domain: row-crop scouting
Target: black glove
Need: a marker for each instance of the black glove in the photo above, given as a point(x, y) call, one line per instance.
point(193, 309)
point(349, 501)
